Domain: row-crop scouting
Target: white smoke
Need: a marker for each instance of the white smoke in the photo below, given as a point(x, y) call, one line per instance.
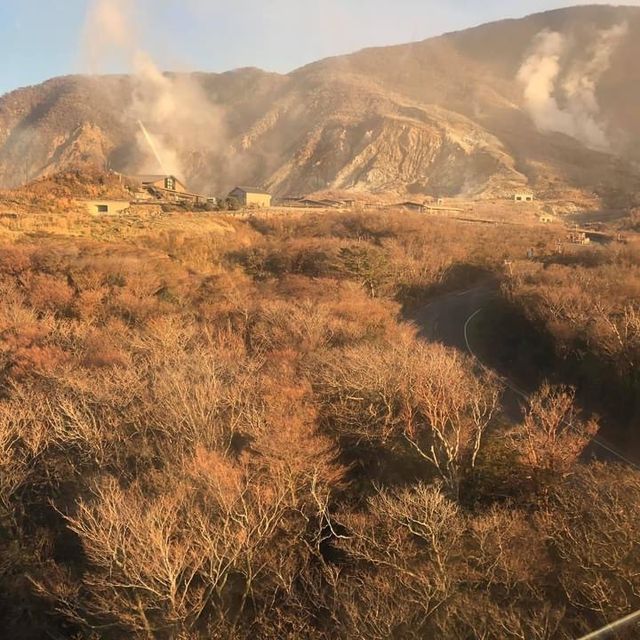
point(563, 97)
point(173, 107)
point(177, 112)
point(108, 34)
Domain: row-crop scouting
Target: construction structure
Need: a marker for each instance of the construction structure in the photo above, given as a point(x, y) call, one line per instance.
point(442, 208)
point(163, 182)
point(426, 207)
point(411, 205)
point(304, 202)
point(168, 188)
point(104, 207)
point(523, 196)
point(251, 197)
point(579, 237)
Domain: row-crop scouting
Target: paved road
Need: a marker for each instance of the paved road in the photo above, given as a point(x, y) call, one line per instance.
point(448, 318)
point(444, 319)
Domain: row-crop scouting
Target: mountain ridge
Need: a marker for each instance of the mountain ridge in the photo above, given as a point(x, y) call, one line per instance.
point(443, 116)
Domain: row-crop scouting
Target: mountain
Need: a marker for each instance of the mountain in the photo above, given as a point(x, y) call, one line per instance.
point(481, 112)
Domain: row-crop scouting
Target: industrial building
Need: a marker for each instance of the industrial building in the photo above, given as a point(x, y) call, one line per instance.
point(251, 197)
point(163, 182)
point(101, 207)
point(411, 206)
point(169, 188)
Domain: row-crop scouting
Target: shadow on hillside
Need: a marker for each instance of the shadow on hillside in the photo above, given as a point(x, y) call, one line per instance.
point(516, 349)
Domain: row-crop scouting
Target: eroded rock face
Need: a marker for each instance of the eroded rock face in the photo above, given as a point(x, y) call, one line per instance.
point(391, 153)
point(444, 117)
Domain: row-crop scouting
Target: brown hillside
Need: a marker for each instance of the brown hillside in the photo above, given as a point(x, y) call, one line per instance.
point(441, 117)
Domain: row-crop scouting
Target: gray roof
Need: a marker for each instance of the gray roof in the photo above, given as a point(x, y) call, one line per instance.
point(252, 190)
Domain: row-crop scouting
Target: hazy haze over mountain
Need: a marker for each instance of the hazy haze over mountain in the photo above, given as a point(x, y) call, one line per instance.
point(548, 102)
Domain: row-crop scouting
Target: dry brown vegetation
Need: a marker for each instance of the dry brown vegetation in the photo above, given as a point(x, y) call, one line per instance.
point(224, 429)
point(587, 302)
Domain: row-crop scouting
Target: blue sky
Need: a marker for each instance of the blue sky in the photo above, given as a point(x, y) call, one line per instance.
point(40, 39)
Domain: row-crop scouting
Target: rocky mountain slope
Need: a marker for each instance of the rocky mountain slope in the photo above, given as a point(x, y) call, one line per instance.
point(454, 115)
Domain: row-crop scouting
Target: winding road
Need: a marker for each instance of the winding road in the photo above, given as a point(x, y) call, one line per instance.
point(446, 318)
point(449, 318)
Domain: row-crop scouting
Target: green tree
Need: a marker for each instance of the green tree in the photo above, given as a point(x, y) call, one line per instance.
point(366, 264)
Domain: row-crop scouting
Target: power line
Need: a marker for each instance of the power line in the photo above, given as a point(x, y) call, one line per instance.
point(611, 629)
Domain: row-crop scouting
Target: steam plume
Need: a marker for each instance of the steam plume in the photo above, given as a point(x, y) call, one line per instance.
point(152, 146)
point(173, 108)
point(546, 83)
point(107, 33)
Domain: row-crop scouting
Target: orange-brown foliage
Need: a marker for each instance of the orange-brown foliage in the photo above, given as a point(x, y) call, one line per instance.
point(224, 429)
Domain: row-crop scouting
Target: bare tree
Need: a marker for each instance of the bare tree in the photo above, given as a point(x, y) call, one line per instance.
point(553, 435)
point(424, 395)
point(592, 526)
point(406, 550)
point(454, 410)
